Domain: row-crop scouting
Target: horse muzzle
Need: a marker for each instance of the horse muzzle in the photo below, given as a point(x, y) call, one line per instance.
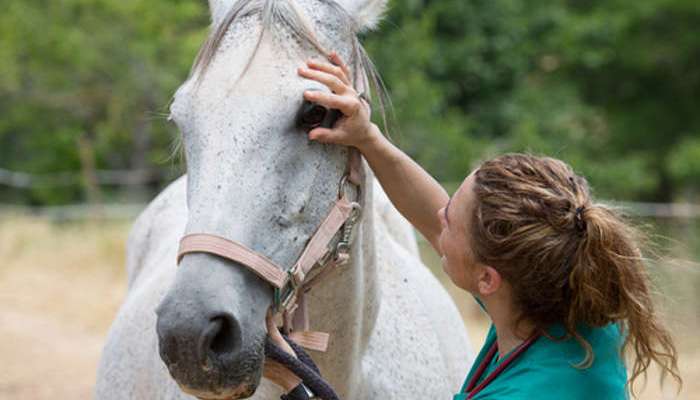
point(207, 353)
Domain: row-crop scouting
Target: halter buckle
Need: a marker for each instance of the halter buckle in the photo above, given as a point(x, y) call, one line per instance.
point(287, 295)
point(284, 298)
point(342, 249)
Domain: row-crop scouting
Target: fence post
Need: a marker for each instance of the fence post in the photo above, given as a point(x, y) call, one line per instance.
point(89, 174)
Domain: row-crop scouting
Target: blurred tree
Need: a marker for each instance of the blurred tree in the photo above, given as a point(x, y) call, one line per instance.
point(96, 71)
point(610, 86)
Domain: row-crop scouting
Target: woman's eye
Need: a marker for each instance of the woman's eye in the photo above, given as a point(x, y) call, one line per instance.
point(312, 115)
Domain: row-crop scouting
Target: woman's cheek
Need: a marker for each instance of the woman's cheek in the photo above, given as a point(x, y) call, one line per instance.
point(441, 242)
point(449, 268)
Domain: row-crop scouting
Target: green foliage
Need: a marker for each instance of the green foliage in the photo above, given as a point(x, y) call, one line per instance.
point(609, 86)
point(684, 165)
point(101, 70)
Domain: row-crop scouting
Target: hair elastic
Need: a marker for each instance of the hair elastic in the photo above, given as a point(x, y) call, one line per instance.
point(578, 219)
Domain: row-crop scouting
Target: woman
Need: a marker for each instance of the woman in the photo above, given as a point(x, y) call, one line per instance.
point(560, 276)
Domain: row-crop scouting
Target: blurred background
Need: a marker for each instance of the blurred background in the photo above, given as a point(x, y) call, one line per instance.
point(612, 87)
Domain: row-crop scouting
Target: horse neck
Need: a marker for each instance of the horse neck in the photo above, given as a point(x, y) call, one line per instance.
point(346, 304)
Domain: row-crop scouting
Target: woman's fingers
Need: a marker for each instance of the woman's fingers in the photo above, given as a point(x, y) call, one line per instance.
point(346, 104)
point(355, 126)
point(335, 59)
point(331, 69)
point(333, 82)
point(322, 135)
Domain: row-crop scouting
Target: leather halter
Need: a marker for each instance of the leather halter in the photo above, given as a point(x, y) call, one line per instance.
point(291, 285)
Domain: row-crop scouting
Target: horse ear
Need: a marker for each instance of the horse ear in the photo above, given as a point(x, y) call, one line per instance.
point(367, 13)
point(218, 9)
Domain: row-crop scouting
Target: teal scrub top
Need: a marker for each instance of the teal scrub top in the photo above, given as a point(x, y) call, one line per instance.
point(546, 370)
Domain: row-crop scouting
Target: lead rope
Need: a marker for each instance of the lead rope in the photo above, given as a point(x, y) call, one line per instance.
point(302, 366)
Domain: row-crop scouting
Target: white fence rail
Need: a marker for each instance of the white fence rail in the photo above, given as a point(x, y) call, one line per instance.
point(24, 180)
point(660, 210)
point(131, 210)
point(75, 212)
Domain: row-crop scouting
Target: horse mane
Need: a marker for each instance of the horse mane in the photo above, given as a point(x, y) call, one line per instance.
point(286, 14)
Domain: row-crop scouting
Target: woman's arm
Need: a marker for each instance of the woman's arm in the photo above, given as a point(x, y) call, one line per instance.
point(416, 195)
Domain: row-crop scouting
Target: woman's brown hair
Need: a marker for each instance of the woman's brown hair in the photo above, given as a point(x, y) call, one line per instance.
point(569, 260)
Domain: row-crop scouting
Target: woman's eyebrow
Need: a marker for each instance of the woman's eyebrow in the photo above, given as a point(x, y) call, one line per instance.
point(447, 208)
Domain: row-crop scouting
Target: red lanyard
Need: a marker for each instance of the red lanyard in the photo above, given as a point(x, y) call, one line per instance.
point(471, 389)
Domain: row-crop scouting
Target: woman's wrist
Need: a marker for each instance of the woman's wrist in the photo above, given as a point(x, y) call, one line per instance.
point(371, 140)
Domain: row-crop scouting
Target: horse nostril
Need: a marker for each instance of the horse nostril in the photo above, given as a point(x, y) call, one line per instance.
point(167, 348)
point(222, 336)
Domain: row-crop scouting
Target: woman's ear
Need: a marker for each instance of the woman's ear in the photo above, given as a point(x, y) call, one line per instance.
point(366, 13)
point(488, 281)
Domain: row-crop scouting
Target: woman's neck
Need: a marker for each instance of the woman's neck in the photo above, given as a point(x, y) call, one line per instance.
point(510, 330)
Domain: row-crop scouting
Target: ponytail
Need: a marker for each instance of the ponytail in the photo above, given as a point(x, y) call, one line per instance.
point(609, 283)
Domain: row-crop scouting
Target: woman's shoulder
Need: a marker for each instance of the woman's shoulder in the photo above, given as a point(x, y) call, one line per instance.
point(548, 369)
point(605, 342)
point(557, 364)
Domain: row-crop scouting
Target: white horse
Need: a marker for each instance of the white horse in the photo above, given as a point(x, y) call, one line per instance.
point(253, 176)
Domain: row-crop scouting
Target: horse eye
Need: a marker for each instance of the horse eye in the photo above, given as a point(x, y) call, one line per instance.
point(312, 115)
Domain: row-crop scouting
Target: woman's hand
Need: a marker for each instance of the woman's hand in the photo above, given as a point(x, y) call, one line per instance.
point(354, 128)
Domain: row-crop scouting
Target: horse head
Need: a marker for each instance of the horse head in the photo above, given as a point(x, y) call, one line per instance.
point(252, 176)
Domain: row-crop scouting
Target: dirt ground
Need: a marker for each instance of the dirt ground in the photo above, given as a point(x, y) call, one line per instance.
point(61, 285)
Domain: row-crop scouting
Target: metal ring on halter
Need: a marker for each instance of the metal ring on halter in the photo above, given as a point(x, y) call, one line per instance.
point(342, 186)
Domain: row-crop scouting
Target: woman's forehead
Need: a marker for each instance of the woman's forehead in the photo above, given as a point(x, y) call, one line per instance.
point(462, 200)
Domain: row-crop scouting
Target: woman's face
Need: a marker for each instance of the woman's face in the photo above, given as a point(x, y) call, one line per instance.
point(458, 260)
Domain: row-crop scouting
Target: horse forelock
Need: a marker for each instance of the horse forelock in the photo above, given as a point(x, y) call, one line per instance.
point(279, 15)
